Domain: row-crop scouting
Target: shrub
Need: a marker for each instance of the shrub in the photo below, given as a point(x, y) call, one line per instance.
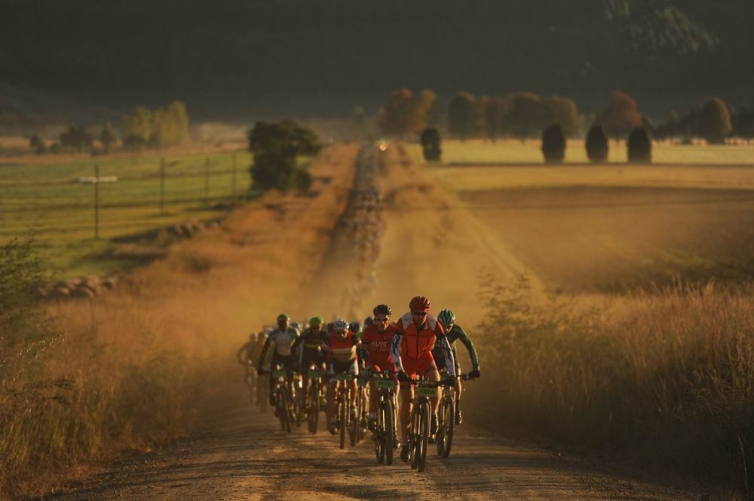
point(639, 146)
point(596, 144)
point(430, 139)
point(553, 144)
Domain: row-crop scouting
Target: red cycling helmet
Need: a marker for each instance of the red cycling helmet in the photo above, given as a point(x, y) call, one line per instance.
point(419, 303)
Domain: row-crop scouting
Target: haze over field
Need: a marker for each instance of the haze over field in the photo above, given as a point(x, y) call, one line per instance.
point(235, 58)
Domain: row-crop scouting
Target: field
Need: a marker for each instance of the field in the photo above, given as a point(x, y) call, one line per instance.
point(616, 227)
point(43, 195)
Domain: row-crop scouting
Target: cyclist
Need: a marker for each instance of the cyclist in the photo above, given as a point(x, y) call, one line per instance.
point(251, 349)
point(355, 327)
point(367, 322)
point(341, 349)
point(415, 334)
point(282, 338)
point(455, 332)
point(377, 339)
point(311, 342)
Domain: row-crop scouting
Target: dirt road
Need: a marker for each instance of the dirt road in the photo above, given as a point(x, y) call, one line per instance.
point(429, 247)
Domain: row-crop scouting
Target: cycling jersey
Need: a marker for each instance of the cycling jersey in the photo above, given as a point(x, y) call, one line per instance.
point(311, 347)
point(455, 334)
point(282, 341)
point(342, 350)
point(415, 343)
point(379, 345)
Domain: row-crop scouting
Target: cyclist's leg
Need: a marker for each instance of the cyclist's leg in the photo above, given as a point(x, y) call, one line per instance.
point(353, 369)
point(274, 361)
point(333, 393)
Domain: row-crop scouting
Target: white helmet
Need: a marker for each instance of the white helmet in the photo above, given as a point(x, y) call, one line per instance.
point(340, 325)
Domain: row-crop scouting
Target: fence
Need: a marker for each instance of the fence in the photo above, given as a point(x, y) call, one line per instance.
point(117, 196)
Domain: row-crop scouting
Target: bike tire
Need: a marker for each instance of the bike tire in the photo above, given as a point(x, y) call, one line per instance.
point(423, 437)
point(379, 436)
point(414, 438)
point(280, 408)
point(287, 407)
point(389, 431)
point(446, 418)
point(262, 395)
point(343, 418)
point(312, 413)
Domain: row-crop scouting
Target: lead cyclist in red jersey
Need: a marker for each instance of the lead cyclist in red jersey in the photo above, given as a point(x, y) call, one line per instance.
point(415, 335)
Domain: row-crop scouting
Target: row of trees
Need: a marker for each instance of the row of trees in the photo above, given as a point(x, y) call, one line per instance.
point(524, 114)
point(165, 126)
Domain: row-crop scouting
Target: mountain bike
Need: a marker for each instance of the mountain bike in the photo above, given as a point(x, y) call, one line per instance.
point(282, 399)
point(384, 435)
point(346, 422)
point(362, 407)
point(296, 391)
point(251, 381)
point(418, 435)
point(446, 417)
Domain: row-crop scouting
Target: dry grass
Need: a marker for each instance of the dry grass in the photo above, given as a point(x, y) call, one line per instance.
point(665, 378)
point(129, 369)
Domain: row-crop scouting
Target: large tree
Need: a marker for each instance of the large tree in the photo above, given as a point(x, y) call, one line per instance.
point(493, 116)
point(463, 115)
point(524, 114)
point(564, 112)
point(276, 146)
point(713, 121)
point(398, 118)
point(620, 116)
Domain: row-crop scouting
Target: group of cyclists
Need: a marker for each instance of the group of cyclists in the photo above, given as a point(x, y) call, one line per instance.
point(416, 347)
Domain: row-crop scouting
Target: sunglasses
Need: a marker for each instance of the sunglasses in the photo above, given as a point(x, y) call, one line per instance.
point(419, 313)
point(380, 319)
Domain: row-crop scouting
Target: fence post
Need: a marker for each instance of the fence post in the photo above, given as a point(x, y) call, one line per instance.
point(206, 180)
point(234, 177)
point(96, 202)
point(162, 186)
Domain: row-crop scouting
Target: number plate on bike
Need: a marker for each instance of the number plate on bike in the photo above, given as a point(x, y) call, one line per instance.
point(344, 377)
point(426, 391)
point(387, 384)
point(279, 373)
point(314, 374)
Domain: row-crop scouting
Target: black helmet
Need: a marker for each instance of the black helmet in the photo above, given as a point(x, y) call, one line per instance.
point(382, 309)
point(354, 326)
point(368, 321)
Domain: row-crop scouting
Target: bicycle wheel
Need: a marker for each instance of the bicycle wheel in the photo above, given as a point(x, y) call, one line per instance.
point(312, 412)
point(413, 440)
point(262, 394)
point(445, 427)
point(423, 437)
point(389, 431)
point(297, 407)
point(379, 436)
point(342, 418)
point(280, 408)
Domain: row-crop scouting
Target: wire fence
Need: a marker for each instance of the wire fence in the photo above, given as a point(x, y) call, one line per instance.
point(99, 203)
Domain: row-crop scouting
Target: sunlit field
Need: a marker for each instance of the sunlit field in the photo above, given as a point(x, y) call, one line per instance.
point(44, 195)
point(514, 152)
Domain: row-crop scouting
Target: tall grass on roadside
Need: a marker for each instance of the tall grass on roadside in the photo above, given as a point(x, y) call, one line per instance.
point(663, 377)
point(74, 389)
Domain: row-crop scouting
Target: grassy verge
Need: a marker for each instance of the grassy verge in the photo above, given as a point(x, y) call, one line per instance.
point(665, 379)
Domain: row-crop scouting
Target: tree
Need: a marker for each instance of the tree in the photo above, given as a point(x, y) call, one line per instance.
point(554, 144)
point(639, 146)
point(76, 137)
point(493, 116)
point(430, 139)
point(276, 147)
point(107, 137)
point(713, 121)
point(620, 116)
point(596, 144)
point(668, 128)
point(429, 104)
point(564, 112)
point(136, 127)
point(524, 113)
point(398, 117)
point(743, 123)
point(462, 115)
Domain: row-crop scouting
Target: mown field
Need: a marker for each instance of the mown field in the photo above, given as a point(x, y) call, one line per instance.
point(42, 195)
point(617, 226)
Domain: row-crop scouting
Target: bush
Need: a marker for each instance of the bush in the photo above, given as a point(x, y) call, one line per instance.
point(639, 146)
point(553, 144)
point(596, 144)
point(430, 139)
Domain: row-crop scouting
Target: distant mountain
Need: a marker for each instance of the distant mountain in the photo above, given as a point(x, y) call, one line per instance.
point(241, 58)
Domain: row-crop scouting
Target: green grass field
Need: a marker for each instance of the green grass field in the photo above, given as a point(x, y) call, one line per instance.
point(46, 199)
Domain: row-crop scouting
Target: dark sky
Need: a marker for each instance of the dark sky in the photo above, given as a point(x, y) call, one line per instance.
point(236, 58)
